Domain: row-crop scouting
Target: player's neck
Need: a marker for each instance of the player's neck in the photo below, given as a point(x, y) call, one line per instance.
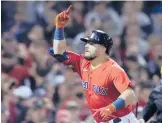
point(95, 63)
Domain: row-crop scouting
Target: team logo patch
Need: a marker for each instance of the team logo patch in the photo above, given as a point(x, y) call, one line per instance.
point(85, 84)
point(100, 90)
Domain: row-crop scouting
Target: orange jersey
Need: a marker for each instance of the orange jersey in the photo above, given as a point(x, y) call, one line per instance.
point(102, 85)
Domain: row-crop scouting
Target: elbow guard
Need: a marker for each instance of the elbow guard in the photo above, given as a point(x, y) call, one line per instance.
point(60, 57)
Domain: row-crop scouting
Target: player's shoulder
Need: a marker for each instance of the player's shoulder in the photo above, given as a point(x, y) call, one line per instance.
point(115, 67)
point(83, 61)
point(81, 56)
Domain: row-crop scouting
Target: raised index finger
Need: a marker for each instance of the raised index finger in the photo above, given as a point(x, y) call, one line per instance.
point(68, 10)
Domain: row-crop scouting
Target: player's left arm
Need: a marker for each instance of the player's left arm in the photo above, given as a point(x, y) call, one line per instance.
point(126, 97)
point(122, 83)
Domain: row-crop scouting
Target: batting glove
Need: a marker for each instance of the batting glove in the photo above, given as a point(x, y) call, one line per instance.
point(63, 18)
point(104, 112)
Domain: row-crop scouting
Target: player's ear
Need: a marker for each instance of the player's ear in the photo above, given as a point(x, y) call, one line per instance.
point(103, 50)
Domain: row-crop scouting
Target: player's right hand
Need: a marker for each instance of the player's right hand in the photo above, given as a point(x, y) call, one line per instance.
point(63, 18)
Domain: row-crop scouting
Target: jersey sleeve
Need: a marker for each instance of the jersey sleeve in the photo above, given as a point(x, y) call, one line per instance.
point(69, 58)
point(75, 60)
point(120, 79)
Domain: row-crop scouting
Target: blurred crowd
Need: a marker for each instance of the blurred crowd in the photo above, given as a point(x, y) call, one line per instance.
point(35, 88)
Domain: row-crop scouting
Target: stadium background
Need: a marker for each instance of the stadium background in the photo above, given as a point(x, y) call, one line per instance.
point(35, 88)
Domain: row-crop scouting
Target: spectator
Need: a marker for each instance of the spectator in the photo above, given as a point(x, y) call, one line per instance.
point(110, 19)
point(157, 19)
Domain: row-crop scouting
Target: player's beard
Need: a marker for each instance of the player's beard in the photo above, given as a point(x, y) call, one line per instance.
point(89, 58)
point(90, 55)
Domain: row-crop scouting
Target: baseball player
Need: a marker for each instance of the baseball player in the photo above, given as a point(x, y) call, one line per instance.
point(107, 86)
